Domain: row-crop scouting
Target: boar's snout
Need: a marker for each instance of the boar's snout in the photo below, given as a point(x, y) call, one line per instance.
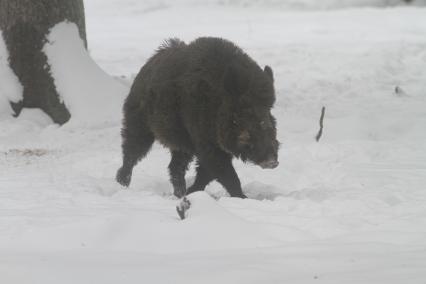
point(269, 164)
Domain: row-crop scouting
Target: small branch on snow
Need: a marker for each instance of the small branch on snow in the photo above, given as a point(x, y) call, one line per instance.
point(318, 137)
point(400, 92)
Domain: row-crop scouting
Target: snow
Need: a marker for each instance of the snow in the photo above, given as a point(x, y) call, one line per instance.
point(81, 91)
point(349, 209)
point(149, 6)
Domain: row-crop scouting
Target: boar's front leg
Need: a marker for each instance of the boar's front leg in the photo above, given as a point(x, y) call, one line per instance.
point(177, 169)
point(219, 164)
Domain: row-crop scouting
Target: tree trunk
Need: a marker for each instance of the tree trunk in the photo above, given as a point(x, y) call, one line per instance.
point(25, 24)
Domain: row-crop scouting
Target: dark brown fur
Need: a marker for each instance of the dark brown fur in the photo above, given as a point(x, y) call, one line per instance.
point(207, 99)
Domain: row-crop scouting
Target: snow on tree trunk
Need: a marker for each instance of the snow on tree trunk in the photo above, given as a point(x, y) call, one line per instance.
point(25, 24)
point(91, 95)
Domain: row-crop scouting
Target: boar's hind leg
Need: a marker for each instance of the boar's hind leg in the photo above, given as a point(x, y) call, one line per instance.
point(202, 179)
point(137, 141)
point(177, 169)
point(219, 164)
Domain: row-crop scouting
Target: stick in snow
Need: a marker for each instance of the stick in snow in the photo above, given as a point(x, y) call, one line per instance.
point(318, 137)
point(400, 92)
point(183, 207)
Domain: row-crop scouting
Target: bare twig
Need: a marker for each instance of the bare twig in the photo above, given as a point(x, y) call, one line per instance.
point(318, 137)
point(400, 92)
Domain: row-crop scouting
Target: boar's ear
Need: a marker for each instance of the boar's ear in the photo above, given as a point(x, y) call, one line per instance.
point(235, 81)
point(268, 71)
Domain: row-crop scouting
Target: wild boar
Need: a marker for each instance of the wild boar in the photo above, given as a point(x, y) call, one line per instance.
point(206, 99)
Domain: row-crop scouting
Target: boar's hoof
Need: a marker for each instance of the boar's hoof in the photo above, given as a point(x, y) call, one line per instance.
point(183, 207)
point(242, 195)
point(123, 177)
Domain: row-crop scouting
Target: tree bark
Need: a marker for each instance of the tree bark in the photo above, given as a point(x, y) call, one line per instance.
point(25, 25)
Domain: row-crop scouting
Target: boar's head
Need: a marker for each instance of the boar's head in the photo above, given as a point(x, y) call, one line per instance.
point(247, 128)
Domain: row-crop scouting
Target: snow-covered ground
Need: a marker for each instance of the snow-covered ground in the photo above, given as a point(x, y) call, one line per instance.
point(349, 209)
